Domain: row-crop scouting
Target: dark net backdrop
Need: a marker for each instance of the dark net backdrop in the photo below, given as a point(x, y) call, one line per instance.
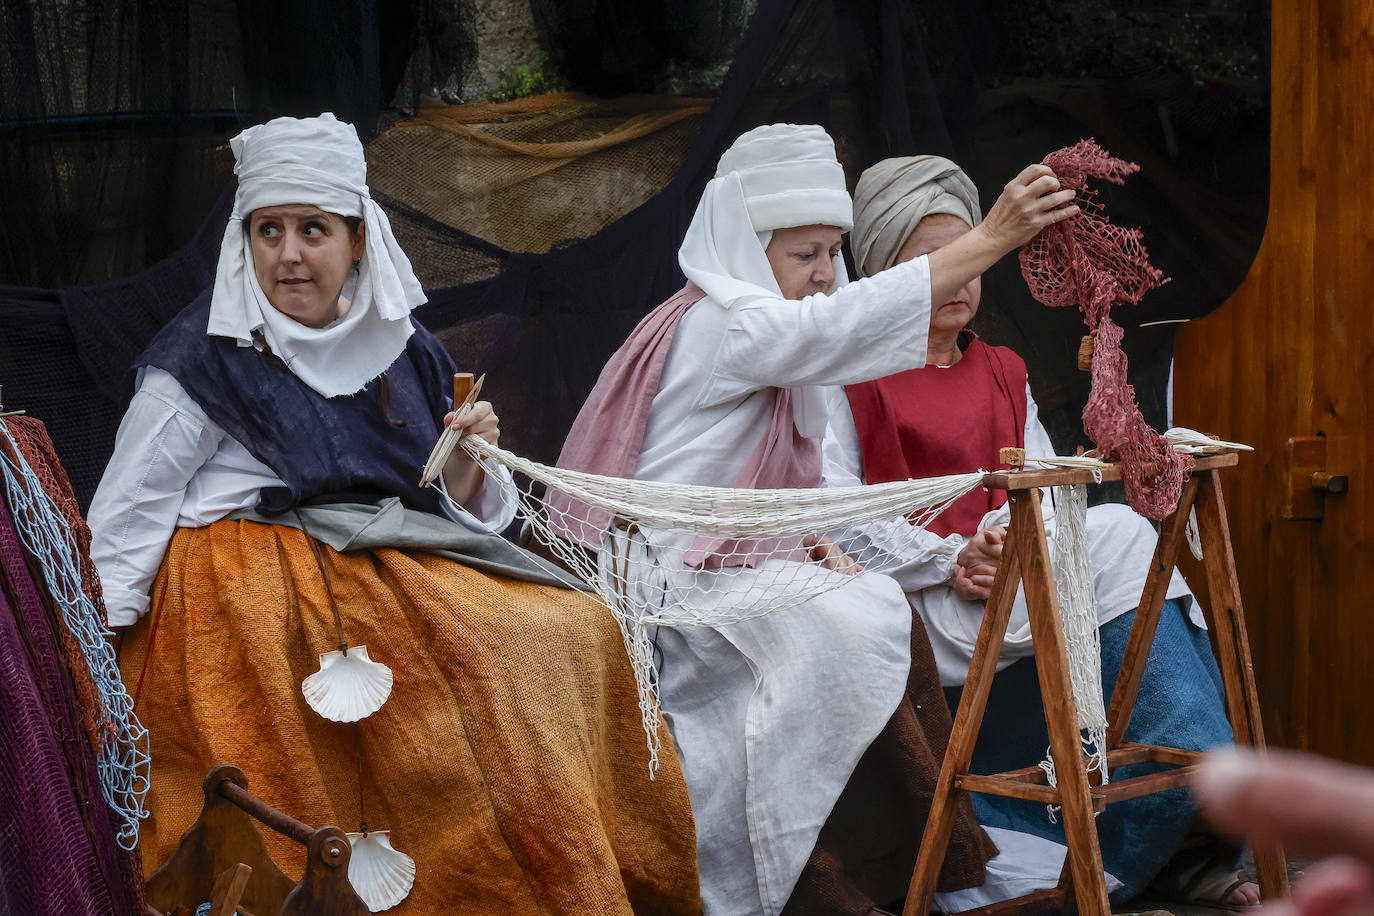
point(113, 119)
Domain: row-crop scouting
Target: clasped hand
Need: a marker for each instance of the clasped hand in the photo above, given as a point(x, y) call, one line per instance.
point(977, 564)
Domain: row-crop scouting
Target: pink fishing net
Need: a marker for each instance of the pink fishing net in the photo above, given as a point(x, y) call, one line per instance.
point(1094, 264)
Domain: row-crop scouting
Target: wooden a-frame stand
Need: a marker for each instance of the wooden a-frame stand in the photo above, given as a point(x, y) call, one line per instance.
point(1026, 559)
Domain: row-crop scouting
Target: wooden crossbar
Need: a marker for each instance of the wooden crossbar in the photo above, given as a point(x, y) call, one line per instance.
point(1026, 564)
point(1025, 785)
point(1060, 477)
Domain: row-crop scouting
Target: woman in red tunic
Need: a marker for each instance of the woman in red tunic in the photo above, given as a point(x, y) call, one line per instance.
point(952, 416)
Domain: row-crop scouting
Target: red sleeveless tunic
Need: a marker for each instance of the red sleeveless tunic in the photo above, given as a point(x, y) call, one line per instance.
point(934, 421)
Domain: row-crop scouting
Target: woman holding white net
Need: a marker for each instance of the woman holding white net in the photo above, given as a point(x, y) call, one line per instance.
point(954, 415)
point(262, 511)
point(771, 700)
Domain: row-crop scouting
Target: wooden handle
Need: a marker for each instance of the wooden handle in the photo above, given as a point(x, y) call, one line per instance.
point(1330, 483)
point(1085, 354)
point(462, 387)
point(228, 890)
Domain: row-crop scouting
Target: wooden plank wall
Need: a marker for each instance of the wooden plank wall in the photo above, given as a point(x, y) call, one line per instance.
point(1291, 353)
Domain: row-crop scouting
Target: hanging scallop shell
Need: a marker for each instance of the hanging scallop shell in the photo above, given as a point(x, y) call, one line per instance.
point(380, 875)
point(347, 687)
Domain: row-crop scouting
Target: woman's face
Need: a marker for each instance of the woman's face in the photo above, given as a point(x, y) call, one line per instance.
point(937, 231)
point(803, 259)
point(301, 256)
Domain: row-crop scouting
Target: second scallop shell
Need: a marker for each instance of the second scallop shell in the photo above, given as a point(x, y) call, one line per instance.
point(381, 875)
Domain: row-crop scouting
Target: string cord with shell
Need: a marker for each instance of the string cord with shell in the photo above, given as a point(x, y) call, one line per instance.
point(380, 874)
point(348, 688)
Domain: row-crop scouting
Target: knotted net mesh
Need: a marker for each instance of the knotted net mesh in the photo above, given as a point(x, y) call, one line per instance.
point(1092, 263)
point(33, 445)
point(62, 565)
point(1073, 583)
point(663, 554)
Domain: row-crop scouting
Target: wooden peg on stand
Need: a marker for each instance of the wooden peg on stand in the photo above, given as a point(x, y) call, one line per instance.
point(1085, 354)
point(228, 890)
point(1014, 458)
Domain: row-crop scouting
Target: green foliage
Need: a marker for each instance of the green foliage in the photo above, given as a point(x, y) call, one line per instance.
point(536, 79)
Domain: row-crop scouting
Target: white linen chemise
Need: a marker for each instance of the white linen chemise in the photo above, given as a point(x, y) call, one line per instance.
point(770, 715)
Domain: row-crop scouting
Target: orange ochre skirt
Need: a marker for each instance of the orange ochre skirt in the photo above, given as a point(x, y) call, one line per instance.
point(509, 761)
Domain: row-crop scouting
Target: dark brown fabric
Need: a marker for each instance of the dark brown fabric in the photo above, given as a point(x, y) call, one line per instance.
point(867, 847)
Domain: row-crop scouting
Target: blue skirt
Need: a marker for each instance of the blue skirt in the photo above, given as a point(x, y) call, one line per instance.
point(1181, 704)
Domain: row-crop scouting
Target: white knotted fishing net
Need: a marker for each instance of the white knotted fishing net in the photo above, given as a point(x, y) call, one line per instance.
point(673, 555)
point(1073, 582)
point(661, 554)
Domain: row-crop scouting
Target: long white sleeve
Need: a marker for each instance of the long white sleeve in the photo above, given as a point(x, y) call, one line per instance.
point(864, 330)
point(926, 558)
point(492, 506)
point(162, 442)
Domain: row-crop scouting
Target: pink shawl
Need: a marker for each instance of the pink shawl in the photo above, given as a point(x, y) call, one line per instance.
point(609, 432)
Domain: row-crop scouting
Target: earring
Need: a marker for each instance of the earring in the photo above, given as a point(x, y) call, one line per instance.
point(356, 262)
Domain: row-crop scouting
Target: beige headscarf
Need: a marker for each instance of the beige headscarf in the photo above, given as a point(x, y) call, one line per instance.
point(896, 194)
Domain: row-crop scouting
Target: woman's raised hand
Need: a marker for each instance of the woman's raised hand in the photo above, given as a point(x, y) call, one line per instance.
point(1030, 202)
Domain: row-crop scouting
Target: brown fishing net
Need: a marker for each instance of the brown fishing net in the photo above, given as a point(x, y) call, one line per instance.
point(1090, 262)
point(31, 438)
point(57, 745)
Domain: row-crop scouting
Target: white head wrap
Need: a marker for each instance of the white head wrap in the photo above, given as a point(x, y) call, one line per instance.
point(316, 161)
point(896, 194)
point(772, 177)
